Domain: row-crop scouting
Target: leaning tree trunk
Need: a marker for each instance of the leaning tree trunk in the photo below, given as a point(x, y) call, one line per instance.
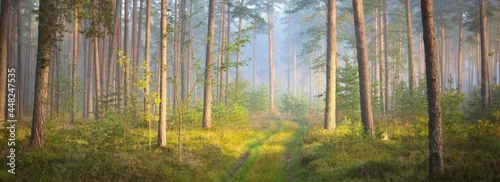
point(331, 57)
point(364, 79)
point(436, 164)
point(207, 95)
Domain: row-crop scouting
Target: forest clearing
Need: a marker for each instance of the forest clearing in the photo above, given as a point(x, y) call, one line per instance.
point(250, 90)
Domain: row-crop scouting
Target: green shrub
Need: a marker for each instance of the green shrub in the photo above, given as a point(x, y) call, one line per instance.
point(296, 107)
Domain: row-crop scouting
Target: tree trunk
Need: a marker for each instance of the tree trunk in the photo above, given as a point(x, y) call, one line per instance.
point(238, 56)
point(46, 39)
point(331, 59)
point(459, 84)
point(20, 68)
point(271, 56)
point(182, 53)
point(485, 77)
point(75, 64)
point(364, 79)
point(288, 60)
point(127, 70)
point(135, 44)
point(386, 64)
point(411, 70)
point(162, 123)
point(4, 27)
point(436, 166)
point(146, 61)
point(207, 95)
point(381, 58)
point(254, 71)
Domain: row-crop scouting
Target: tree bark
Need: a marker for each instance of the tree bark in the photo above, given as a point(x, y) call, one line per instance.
point(162, 123)
point(331, 57)
point(238, 56)
point(364, 79)
point(459, 84)
point(207, 95)
point(146, 61)
point(47, 30)
point(271, 55)
point(126, 72)
point(485, 77)
point(387, 98)
point(381, 57)
point(4, 27)
point(411, 70)
point(74, 72)
point(436, 165)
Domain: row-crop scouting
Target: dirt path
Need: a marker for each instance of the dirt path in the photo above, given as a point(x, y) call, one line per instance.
point(273, 158)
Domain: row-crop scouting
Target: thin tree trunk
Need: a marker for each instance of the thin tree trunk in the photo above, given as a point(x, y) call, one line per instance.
point(331, 59)
point(436, 165)
point(254, 71)
point(133, 58)
point(207, 95)
point(459, 86)
point(271, 55)
point(381, 58)
point(75, 64)
point(4, 27)
point(20, 68)
point(182, 53)
point(238, 56)
point(386, 65)
point(411, 70)
point(127, 71)
point(146, 62)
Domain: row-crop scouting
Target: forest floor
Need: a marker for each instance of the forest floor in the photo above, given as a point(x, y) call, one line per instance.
point(261, 148)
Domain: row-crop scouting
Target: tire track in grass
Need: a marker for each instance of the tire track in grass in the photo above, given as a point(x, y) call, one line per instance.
point(246, 161)
point(274, 158)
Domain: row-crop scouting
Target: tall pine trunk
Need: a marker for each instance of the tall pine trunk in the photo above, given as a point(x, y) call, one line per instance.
point(4, 27)
point(485, 77)
point(75, 63)
point(271, 55)
point(207, 92)
point(411, 70)
point(364, 79)
point(162, 122)
point(46, 38)
point(459, 84)
point(331, 59)
point(436, 164)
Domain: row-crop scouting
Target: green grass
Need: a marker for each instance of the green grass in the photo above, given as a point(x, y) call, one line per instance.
point(108, 150)
point(471, 152)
